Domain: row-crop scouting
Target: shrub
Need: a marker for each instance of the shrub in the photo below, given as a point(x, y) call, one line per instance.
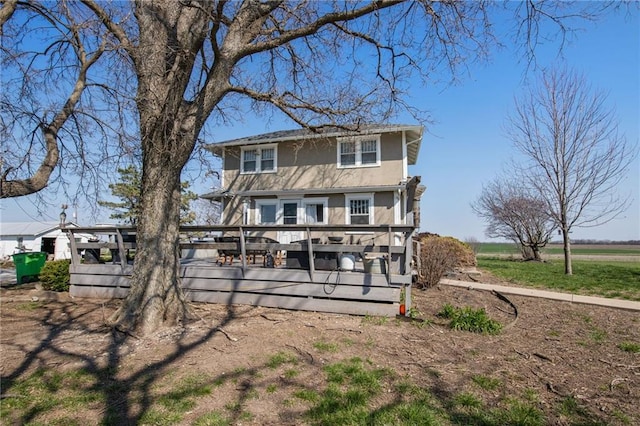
point(55, 275)
point(469, 319)
point(438, 255)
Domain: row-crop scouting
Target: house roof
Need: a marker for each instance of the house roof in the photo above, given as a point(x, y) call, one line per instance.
point(29, 228)
point(414, 137)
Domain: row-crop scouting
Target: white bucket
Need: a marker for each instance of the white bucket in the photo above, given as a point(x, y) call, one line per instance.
point(375, 265)
point(347, 262)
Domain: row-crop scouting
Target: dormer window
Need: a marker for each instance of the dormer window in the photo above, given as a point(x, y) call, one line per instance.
point(360, 151)
point(261, 159)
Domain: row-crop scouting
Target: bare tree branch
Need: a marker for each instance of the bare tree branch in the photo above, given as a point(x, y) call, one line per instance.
point(6, 11)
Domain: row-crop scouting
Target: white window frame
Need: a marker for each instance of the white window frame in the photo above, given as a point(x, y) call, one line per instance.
point(266, 202)
point(259, 149)
point(360, 196)
point(246, 210)
point(358, 145)
point(317, 200)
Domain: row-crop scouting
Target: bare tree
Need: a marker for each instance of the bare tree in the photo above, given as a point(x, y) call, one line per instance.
point(207, 212)
point(165, 70)
point(575, 156)
point(65, 104)
point(514, 213)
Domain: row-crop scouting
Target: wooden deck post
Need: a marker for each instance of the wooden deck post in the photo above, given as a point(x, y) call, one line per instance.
point(390, 240)
point(75, 256)
point(408, 252)
point(243, 250)
point(312, 265)
point(121, 249)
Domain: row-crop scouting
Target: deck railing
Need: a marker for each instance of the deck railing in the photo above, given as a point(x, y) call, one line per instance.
point(208, 275)
point(391, 241)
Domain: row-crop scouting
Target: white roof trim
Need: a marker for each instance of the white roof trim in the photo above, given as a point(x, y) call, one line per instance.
point(301, 192)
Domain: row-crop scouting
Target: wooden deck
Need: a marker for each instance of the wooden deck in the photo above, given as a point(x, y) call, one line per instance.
point(208, 276)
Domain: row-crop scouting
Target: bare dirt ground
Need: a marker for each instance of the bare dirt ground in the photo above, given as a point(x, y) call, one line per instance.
point(565, 357)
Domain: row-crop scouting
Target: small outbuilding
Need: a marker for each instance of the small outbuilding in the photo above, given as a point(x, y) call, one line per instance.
point(48, 237)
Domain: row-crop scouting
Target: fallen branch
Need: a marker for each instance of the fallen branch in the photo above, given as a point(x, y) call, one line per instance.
point(351, 330)
point(430, 324)
point(542, 356)
point(125, 331)
point(553, 389)
point(630, 367)
point(472, 278)
point(233, 339)
point(411, 339)
point(616, 381)
point(271, 319)
point(301, 352)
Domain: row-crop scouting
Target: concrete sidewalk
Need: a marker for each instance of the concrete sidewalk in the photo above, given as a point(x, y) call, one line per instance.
point(530, 292)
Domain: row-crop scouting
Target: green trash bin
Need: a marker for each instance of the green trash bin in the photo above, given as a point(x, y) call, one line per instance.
point(28, 264)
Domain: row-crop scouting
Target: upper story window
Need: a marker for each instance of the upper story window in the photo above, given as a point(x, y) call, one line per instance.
point(361, 151)
point(261, 159)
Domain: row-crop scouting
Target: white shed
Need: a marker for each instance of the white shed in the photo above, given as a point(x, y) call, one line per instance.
point(37, 236)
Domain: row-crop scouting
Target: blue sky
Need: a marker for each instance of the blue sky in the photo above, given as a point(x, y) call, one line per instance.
point(465, 146)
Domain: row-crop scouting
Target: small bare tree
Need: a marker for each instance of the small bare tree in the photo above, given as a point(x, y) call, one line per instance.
point(516, 214)
point(575, 156)
point(207, 212)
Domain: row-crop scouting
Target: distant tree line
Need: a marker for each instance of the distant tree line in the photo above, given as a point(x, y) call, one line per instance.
point(604, 242)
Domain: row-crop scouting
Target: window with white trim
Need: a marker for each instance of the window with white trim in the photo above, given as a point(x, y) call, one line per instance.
point(359, 209)
point(266, 211)
point(316, 210)
point(347, 153)
point(262, 159)
point(361, 151)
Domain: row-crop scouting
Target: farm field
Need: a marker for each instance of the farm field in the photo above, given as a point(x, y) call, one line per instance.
point(554, 250)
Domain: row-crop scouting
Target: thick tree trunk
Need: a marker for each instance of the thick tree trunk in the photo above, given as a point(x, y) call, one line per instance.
point(171, 35)
point(155, 298)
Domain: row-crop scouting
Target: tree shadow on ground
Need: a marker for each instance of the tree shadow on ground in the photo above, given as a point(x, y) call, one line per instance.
point(127, 395)
point(132, 389)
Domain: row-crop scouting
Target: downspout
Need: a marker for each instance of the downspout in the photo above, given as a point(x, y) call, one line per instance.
point(405, 160)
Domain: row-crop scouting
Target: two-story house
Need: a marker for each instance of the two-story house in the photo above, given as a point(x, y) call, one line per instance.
point(336, 177)
point(332, 215)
